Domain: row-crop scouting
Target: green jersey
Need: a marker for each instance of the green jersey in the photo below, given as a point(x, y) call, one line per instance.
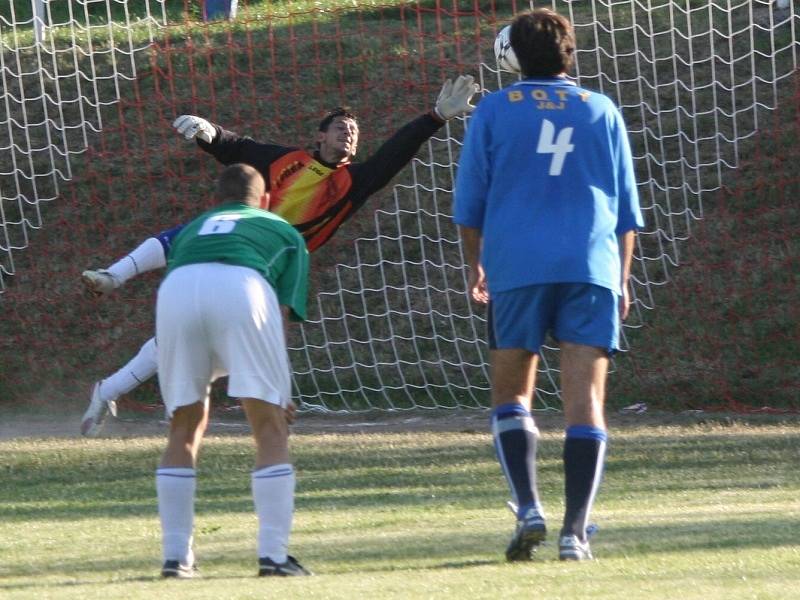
point(237, 234)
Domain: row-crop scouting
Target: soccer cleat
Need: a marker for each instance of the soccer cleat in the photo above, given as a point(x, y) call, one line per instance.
point(291, 568)
point(95, 415)
point(99, 283)
point(531, 531)
point(174, 569)
point(571, 548)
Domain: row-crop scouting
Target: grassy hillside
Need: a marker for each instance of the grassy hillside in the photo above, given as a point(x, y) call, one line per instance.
point(727, 328)
point(722, 333)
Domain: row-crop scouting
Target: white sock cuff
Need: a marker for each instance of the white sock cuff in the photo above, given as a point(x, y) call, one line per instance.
point(182, 472)
point(524, 422)
point(274, 471)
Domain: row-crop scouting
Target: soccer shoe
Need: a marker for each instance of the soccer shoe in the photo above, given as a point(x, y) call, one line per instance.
point(95, 416)
point(531, 531)
point(173, 568)
point(269, 568)
point(571, 548)
point(99, 283)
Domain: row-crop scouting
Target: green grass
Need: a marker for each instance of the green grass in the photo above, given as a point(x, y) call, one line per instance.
point(691, 510)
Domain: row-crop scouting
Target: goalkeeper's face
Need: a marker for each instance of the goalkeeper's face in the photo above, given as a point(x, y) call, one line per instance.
point(338, 143)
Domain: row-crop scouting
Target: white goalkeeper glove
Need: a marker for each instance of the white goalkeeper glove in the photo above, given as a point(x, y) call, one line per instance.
point(453, 100)
point(191, 127)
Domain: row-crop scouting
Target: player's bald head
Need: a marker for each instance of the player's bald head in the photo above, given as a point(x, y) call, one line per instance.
point(240, 183)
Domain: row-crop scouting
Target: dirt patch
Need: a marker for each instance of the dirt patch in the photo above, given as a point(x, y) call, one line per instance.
point(232, 422)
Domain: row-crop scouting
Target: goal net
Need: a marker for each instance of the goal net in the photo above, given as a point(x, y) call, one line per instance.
point(61, 73)
point(90, 95)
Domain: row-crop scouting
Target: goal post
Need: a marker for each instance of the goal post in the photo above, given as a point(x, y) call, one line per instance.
point(90, 166)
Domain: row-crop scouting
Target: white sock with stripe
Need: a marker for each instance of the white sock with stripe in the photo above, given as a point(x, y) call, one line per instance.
point(138, 370)
point(273, 496)
point(145, 257)
point(176, 489)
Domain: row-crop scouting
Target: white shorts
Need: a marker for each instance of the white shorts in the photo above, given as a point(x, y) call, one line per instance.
point(214, 320)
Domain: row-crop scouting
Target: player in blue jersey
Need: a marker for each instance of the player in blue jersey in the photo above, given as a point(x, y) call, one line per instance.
point(547, 207)
point(235, 276)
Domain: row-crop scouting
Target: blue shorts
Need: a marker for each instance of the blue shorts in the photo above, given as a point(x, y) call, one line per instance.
point(581, 313)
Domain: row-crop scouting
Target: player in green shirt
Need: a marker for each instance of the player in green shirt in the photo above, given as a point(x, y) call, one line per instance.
point(237, 234)
point(235, 275)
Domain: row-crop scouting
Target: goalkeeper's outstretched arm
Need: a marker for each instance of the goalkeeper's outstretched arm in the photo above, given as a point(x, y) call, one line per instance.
point(229, 147)
point(396, 152)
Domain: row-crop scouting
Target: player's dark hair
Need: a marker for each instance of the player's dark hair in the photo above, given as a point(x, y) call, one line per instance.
point(544, 43)
point(339, 111)
point(240, 183)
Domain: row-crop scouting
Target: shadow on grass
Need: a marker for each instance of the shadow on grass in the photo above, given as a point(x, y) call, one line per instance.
point(435, 551)
point(78, 481)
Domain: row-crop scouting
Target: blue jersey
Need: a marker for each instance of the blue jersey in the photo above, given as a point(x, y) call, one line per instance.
point(546, 175)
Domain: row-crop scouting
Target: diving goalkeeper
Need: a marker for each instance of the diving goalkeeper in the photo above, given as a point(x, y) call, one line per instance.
point(315, 192)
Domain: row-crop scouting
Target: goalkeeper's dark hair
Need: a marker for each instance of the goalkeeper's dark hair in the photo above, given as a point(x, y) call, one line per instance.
point(544, 43)
point(339, 111)
point(240, 183)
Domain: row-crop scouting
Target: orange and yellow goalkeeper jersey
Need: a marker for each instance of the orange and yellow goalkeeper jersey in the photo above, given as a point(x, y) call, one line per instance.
point(316, 197)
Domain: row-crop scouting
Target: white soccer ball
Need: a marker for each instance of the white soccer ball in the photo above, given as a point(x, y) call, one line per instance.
point(504, 53)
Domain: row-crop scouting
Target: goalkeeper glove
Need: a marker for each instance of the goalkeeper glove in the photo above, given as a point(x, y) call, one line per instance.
point(190, 127)
point(453, 100)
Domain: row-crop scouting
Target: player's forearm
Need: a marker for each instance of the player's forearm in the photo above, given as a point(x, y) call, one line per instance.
point(229, 148)
point(403, 145)
point(471, 243)
point(396, 152)
point(626, 242)
point(226, 146)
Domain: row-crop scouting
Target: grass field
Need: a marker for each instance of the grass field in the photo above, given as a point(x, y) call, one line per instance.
point(689, 508)
point(409, 507)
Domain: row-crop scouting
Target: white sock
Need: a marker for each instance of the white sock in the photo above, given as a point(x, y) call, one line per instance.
point(273, 495)
point(138, 370)
point(176, 487)
point(145, 257)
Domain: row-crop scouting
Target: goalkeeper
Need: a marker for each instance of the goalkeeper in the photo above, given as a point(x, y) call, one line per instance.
point(315, 192)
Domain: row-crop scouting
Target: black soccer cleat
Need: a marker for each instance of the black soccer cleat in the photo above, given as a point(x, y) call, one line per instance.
point(174, 569)
point(291, 568)
point(530, 532)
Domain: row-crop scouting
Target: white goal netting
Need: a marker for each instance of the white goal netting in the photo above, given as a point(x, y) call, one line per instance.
point(55, 98)
point(693, 79)
point(392, 326)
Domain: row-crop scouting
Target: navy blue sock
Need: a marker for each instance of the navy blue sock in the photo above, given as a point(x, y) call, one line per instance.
point(584, 457)
point(515, 437)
